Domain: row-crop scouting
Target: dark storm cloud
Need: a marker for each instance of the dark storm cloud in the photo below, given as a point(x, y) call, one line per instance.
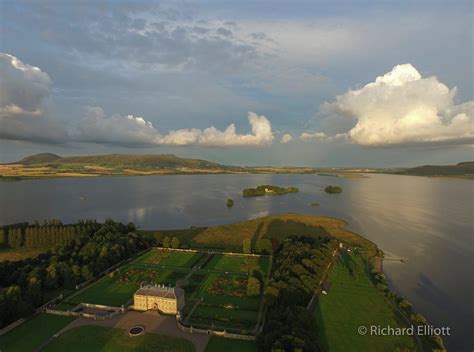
point(146, 34)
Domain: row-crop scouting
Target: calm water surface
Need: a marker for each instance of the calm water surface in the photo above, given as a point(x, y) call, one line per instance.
point(426, 220)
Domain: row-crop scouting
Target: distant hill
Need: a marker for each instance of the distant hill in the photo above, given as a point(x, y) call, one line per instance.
point(461, 169)
point(160, 161)
point(41, 158)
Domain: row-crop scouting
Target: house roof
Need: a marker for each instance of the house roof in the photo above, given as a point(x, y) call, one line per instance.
point(157, 291)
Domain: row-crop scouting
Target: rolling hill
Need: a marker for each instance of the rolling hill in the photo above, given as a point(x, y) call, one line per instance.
point(461, 169)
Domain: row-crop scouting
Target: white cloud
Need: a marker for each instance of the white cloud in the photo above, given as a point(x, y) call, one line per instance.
point(286, 138)
point(97, 127)
point(135, 130)
point(25, 107)
point(402, 107)
point(316, 136)
point(261, 135)
point(321, 137)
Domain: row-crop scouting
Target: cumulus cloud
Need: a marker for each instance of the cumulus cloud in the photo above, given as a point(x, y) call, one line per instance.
point(25, 107)
point(402, 107)
point(97, 127)
point(286, 138)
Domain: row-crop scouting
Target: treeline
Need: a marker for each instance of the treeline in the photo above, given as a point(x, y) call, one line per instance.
point(48, 234)
point(298, 267)
point(26, 284)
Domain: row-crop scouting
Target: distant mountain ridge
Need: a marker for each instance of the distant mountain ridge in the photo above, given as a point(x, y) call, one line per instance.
point(41, 158)
point(462, 168)
point(53, 165)
point(126, 160)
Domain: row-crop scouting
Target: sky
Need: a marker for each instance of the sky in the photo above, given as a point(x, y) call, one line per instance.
point(315, 83)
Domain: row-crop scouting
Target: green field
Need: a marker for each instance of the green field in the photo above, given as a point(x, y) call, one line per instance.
point(219, 344)
point(96, 338)
point(352, 302)
point(107, 292)
point(31, 334)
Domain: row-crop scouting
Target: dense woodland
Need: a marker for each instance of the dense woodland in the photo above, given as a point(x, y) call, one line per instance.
point(78, 253)
point(298, 267)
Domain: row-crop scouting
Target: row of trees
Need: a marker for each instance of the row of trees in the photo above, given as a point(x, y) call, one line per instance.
point(298, 266)
point(48, 234)
point(433, 342)
point(28, 283)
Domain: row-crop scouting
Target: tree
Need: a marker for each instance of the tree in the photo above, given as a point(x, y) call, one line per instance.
point(418, 319)
point(52, 279)
point(34, 291)
point(175, 242)
point(15, 238)
point(253, 287)
point(86, 273)
point(166, 242)
point(264, 246)
point(405, 304)
point(247, 246)
point(3, 238)
point(131, 227)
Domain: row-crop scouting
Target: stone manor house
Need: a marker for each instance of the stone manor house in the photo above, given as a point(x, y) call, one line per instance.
point(168, 300)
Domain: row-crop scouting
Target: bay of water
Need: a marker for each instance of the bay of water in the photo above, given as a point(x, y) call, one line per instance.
point(429, 221)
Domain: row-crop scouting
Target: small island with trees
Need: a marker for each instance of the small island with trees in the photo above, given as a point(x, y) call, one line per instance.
point(229, 202)
point(333, 189)
point(264, 190)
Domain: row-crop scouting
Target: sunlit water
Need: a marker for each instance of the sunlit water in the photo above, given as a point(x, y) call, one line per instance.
point(429, 221)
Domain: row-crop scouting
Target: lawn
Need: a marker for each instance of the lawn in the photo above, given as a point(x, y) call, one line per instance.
point(32, 333)
point(219, 344)
point(96, 338)
point(106, 291)
point(352, 302)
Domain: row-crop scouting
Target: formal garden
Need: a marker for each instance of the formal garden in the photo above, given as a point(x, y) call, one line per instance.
point(222, 290)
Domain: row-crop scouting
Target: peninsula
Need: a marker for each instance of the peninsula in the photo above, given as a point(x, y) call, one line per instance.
point(236, 277)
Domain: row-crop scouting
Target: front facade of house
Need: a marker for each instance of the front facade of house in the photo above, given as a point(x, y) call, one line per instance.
point(167, 300)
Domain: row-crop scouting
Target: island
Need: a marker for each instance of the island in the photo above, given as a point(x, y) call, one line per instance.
point(343, 175)
point(333, 189)
point(229, 202)
point(264, 190)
